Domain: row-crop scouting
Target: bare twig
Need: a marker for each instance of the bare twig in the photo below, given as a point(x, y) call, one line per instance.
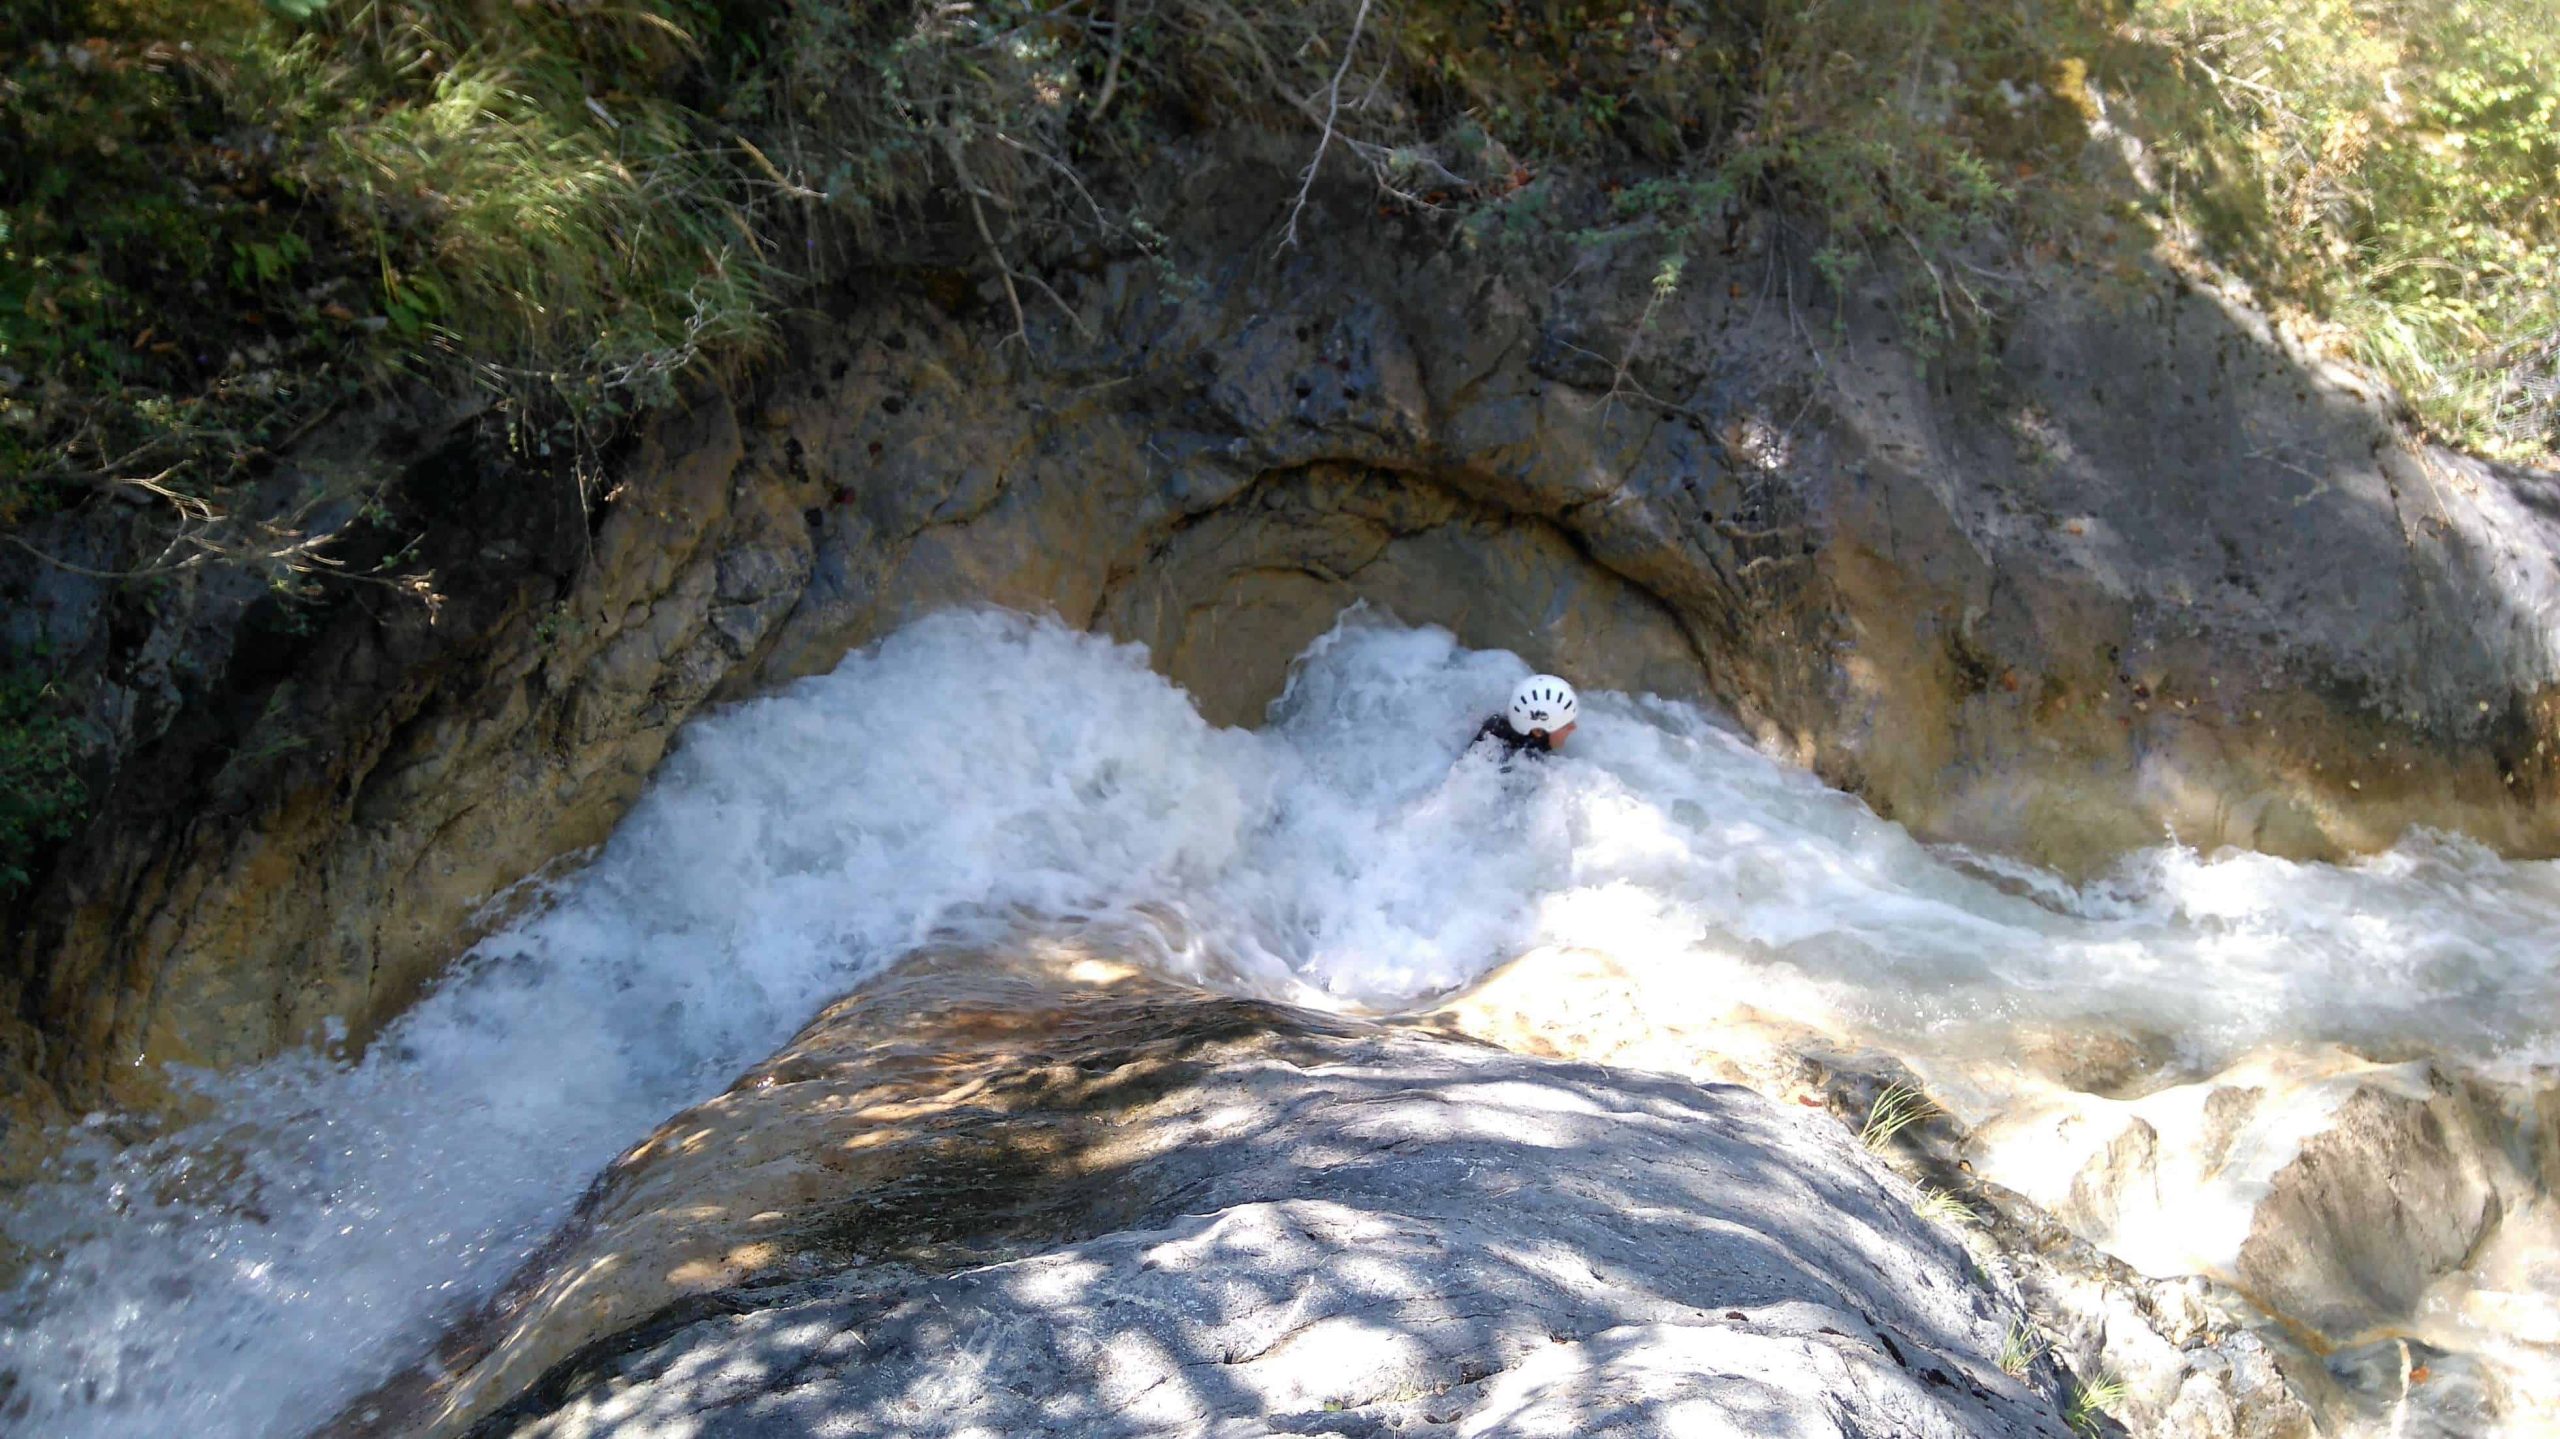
point(2000, 276)
point(1332, 113)
point(995, 251)
point(1632, 387)
point(1795, 317)
point(1111, 71)
point(1664, 282)
point(2274, 97)
point(189, 507)
point(1379, 157)
point(1065, 171)
point(279, 544)
point(157, 567)
point(1064, 308)
point(1770, 562)
point(987, 234)
point(1935, 280)
point(787, 185)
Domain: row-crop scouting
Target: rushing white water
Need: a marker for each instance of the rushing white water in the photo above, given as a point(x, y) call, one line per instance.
point(980, 771)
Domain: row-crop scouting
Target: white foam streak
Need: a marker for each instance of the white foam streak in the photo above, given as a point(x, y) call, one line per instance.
point(979, 772)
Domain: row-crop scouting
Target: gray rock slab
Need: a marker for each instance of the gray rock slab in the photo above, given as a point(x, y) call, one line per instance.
point(1413, 1236)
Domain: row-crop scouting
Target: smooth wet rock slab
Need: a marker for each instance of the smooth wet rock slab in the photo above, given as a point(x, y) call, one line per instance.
point(989, 1198)
point(1303, 1316)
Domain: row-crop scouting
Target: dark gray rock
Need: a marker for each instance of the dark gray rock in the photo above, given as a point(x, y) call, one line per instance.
point(1220, 1218)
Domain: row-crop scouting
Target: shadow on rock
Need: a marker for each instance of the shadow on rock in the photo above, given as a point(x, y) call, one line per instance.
point(1039, 1192)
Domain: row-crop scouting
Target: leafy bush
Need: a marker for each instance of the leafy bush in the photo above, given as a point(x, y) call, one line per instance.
point(219, 221)
point(142, 265)
point(2387, 172)
point(2391, 167)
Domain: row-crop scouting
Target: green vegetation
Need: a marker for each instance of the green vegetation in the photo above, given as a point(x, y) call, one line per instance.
point(1896, 1109)
point(2384, 173)
point(40, 791)
point(1944, 1207)
point(2020, 1348)
point(2390, 170)
point(2091, 1402)
point(219, 219)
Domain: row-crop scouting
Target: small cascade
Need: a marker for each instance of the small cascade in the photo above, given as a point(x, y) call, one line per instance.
point(980, 772)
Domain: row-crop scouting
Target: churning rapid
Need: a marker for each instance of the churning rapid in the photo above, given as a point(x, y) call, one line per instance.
point(978, 773)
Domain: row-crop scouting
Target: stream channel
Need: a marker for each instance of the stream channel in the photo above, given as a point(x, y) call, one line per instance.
point(978, 772)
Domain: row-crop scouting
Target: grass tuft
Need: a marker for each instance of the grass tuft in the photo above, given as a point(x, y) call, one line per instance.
point(2020, 1348)
point(2092, 1402)
point(219, 222)
point(1944, 1207)
point(1898, 1108)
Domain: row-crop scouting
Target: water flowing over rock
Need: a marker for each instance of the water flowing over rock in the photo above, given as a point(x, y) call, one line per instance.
point(1044, 1191)
point(1678, 899)
point(2151, 570)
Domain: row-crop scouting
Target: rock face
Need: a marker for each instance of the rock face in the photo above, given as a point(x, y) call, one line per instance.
point(2147, 569)
point(2362, 1204)
point(1043, 1193)
point(2357, 1221)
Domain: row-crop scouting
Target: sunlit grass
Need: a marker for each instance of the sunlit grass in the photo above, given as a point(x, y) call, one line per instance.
point(559, 250)
point(1944, 1207)
point(2391, 172)
point(2092, 1402)
point(503, 194)
point(2020, 1348)
point(1896, 1109)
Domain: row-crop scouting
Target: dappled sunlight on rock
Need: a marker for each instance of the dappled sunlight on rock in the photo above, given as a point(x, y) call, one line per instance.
point(2337, 1201)
point(1181, 1213)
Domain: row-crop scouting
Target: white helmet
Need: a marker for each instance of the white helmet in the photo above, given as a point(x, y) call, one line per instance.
point(1543, 702)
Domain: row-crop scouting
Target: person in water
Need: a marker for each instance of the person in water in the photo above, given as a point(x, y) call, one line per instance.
point(1542, 715)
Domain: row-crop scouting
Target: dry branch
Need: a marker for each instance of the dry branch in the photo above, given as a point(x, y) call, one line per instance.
point(1332, 114)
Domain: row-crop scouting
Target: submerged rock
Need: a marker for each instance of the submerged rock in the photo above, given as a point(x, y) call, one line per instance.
point(1046, 1193)
point(2394, 1220)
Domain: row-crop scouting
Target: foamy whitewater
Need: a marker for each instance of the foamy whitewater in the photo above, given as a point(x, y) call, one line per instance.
point(978, 773)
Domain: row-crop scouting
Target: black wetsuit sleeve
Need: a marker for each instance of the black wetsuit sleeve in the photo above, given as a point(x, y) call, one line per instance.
point(1498, 729)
